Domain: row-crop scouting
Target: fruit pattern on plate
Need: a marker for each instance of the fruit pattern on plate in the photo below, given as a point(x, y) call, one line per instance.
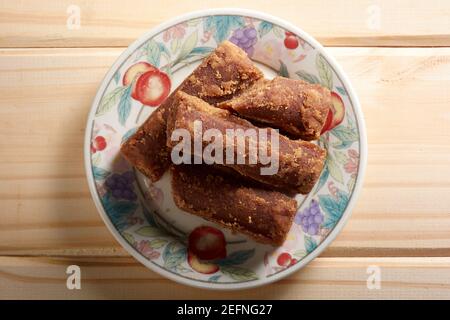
point(144, 80)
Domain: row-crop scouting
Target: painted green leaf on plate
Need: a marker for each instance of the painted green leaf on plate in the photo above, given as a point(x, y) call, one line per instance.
point(222, 25)
point(308, 77)
point(99, 173)
point(128, 237)
point(237, 257)
point(238, 273)
point(124, 106)
point(310, 244)
point(264, 28)
point(128, 134)
point(118, 210)
point(109, 100)
point(334, 169)
point(345, 134)
point(325, 72)
point(157, 243)
point(153, 53)
point(149, 231)
point(174, 255)
point(333, 207)
point(342, 91)
point(187, 47)
point(283, 71)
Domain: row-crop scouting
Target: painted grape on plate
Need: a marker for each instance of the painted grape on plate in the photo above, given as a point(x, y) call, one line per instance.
point(245, 38)
point(310, 219)
point(121, 186)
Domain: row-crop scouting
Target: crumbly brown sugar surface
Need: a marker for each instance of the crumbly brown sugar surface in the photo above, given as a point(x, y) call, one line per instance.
point(225, 72)
point(262, 214)
point(237, 196)
point(300, 162)
point(294, 106)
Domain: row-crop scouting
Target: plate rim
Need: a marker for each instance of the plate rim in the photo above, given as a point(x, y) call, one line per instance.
point(362, 146)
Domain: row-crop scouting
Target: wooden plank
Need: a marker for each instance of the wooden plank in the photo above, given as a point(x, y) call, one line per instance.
point(403, 210)
point(105, 23)
point(324, 278)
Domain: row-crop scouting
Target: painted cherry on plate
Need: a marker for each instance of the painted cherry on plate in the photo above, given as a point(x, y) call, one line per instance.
point(134, 71)
point(291, 42)
point(201, 266)
point(328, 122)
point(151, 88)
point(284, 259)
point(98, 144)
point(207, 243)
point(335, 114)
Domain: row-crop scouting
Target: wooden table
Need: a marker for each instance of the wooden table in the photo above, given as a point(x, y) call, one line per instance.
point(397, 55)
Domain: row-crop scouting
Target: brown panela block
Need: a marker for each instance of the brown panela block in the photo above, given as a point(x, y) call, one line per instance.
point(224, 73)
point(300, 162)
point(264, 215)
point(293, 106)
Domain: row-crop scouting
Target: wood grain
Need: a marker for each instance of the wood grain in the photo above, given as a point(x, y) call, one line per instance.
point(106, 23)
point(324, 278)
point(46, 209)
point(50, 73)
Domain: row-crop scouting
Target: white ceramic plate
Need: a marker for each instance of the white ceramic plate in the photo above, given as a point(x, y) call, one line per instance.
point(144, 218)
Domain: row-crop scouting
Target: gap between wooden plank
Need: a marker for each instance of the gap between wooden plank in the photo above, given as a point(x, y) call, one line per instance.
point(330, 252)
